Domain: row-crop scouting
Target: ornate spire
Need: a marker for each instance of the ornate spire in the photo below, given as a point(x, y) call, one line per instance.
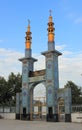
point(50, 29)
point(28, 37)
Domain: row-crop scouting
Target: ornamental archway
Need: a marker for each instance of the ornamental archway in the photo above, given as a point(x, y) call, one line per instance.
point(50, 76)
point(61, 109)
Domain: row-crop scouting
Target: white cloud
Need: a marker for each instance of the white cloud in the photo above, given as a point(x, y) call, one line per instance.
point(1, 41)
point(9, 62)
point(78, 20)
point(40, 64)
point(70, 68)
point(71, 15)
point(39, 91)
point(58, 47)
point(70, 64)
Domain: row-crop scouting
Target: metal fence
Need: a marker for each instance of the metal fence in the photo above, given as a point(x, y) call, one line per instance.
point(77, 108)
point(7, 109)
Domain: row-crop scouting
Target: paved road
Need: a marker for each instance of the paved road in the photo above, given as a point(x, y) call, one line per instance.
point(37, 125)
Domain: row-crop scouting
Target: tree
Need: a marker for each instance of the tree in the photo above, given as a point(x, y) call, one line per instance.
point(3, 88)
point(76, 92)
point(9, 88)
point(14, 84)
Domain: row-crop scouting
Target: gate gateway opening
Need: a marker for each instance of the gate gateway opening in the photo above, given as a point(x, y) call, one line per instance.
point(50, 76)
point(39, 108)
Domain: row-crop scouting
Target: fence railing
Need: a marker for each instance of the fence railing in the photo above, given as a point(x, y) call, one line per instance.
point(7, 109)
point(77, 108)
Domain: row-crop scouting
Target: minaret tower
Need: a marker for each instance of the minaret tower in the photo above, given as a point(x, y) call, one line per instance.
point(50, 33)
point(52, 74)
point(27, 67)
point(28, 41)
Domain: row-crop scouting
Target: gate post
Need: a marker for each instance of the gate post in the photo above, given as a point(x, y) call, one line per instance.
point(68, 101)
point(17, 116)
point(52, 76)
point(27, 67)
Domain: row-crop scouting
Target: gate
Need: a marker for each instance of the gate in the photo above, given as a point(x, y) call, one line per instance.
point(61, 110)
point(39, 108)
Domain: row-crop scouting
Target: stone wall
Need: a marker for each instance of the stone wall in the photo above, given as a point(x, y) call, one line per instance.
point(10, 116)
point(76, 117)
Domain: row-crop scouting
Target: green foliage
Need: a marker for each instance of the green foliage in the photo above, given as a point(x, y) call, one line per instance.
point(76, 92)
point(3, 89)
point(9, 88)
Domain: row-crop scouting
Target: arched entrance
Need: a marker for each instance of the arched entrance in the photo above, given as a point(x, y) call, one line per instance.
point(61, 109)
point(38, 102)
point(64, 104)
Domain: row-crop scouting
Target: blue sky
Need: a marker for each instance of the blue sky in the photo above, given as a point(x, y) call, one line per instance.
point(14, 15)
point(67, 16)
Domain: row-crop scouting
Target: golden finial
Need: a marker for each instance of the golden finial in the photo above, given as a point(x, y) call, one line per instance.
point(28, 22)
point(50, 17)
point(28, 26)
point(50, 28)
point(28, 36)
point(50, 12)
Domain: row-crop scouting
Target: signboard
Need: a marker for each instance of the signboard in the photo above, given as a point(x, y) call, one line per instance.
point(36, 79)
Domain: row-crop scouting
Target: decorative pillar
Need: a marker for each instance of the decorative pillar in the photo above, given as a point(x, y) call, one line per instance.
point(52, 75)
point(17, 106)
point(68, 99)
point(27, 67)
